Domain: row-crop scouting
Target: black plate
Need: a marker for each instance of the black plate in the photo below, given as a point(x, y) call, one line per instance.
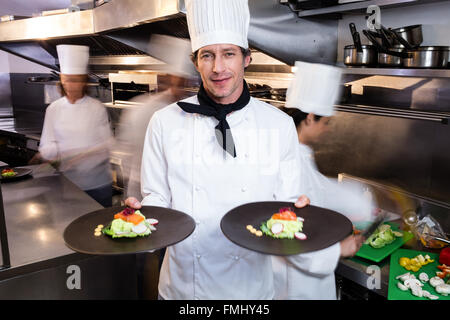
point(322, 227)
point(174, 226)
point(21, 173)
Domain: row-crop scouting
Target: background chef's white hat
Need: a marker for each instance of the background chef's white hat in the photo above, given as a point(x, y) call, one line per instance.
point(314, 89)
point(73, 59)
point(175, 52)
point(217, 21)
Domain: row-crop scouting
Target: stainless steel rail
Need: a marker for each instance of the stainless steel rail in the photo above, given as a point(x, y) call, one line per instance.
point(440, 117)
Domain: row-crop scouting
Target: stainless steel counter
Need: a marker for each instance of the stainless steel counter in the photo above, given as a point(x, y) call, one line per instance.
point(361, 271)
point(37, 210)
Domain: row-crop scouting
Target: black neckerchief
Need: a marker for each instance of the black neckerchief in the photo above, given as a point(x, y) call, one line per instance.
point(219, 111)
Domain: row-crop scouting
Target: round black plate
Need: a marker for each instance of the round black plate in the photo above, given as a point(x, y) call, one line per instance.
point(322, 227)
point(21, 173)
point(174, 226)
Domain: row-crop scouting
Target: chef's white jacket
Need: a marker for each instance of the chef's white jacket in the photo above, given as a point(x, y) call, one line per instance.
point(347, 198)
point(79, 136)
point(184, 168)
point(312, 276)
point(131, 136)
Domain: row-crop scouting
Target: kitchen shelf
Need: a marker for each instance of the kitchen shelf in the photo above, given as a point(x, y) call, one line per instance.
point(360, 7)
point(399, 72)
point(433, 116)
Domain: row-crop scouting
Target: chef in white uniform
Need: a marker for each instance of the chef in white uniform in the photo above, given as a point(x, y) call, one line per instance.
point(76, 134)
point(177, 74)
point(311, 110)
point(212, 152)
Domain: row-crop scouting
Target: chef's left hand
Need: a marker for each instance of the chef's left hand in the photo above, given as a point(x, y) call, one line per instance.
point(302, 201)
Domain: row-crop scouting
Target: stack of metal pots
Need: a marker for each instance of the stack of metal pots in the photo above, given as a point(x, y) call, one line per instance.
point(397, 48)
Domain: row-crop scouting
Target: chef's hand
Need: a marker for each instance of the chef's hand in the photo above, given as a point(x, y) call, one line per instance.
point(351, 245)
point(132, 202)
point(302, 201)
point(36, 159)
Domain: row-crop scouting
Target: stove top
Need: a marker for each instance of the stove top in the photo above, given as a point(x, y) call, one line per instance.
point(267, 92)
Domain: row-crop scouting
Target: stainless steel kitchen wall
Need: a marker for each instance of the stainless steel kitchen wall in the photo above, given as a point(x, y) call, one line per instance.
point(277, 31)
point(413, 155)
point(5, 95)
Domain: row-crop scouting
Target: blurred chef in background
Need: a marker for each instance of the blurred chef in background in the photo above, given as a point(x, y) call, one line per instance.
point(76, 136)
point(312, 111)
point(177, 74)
point(309, 101)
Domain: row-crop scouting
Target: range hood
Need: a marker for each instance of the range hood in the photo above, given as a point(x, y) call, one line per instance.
point(122, 28)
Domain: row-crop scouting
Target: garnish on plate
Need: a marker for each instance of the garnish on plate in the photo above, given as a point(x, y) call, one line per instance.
point(284, 225)
point(7, 173)
point(129, 223)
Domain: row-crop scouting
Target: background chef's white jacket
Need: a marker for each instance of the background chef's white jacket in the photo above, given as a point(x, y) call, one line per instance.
point(131, 136)
point(79, 136)
point(312, 277)
point(347, 198)
point(183, 168)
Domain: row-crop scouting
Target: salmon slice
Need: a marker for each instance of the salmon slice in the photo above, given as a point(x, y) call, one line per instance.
point(133, 218)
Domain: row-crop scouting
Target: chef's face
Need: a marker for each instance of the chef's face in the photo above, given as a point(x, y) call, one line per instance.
point(313, 129)
point(74, 84)
point(221, 67)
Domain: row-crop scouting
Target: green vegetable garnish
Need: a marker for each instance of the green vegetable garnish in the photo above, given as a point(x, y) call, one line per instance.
point(382, 236)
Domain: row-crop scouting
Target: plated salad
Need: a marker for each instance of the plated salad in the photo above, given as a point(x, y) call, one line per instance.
point(284, 225)
point(129, 223)
point(7, 173)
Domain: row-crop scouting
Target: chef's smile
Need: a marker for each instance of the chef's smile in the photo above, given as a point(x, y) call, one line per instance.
point(221, 81)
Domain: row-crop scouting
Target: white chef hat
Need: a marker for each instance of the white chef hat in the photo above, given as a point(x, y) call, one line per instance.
point(314, 89)
point(217, 21)
point(73, 59)
point(175, 52)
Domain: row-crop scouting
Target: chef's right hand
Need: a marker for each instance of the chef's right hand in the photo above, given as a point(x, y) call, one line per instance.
point(351, 245)
point(132, 202)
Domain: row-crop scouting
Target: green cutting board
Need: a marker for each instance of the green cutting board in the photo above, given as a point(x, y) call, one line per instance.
point(376, 255)
point(394, 293)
